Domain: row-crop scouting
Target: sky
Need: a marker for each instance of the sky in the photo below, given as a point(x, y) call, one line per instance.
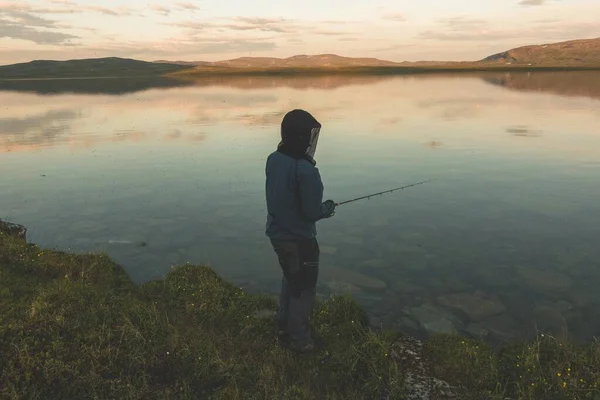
point(211, 30)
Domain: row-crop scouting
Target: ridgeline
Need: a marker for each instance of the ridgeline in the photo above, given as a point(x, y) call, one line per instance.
point(573, 55)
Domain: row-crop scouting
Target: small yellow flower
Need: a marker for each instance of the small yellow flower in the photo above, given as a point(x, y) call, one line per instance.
point(558, 374)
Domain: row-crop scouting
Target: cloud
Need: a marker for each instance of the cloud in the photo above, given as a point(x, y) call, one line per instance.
point(105, 11)
point(395, 17)
point(182, 49)
point(278, 25)
point(39, 122)
point(187, 6)
point(64, 7)
point(470, 29)
point(16, 23)
point(64, 2)
point(40, 37)
point(527, 3)
point(161, 10)
point(289, 27)
point(329, 33)
point(25, 18)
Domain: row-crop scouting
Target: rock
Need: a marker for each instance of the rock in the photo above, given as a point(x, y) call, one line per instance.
point(444, 284)
point(407, 323)
point(13, 230)
point(584, 296)
point(475, 306)
point(548, 319)
point(563, 306)
point(502, 327)
point(405, 287)
point(405, 249)
point(332, 273)
point(519, 304)
point(352, 240)
point(407, 352)
point(476, 330)
point(369, 300)
point(341, 287)
point(545, 282)
point(328, 250)
point(432, 319)
point(376, 263)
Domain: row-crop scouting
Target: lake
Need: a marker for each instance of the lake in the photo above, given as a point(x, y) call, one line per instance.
point(504, 243)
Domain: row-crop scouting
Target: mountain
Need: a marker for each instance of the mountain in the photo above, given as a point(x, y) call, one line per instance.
point(574, 54)
point(304, 61)
point(93, 67)
point(571, 53)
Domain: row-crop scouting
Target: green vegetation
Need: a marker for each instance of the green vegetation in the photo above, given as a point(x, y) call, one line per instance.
point(400, 70)
point(75, 326)
point(111, 67)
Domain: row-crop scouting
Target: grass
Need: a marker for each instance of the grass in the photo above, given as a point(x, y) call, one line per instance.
point(75, 326)
point(193, 73)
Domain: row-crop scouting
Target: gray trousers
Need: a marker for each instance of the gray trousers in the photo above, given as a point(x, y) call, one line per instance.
point(299, 261)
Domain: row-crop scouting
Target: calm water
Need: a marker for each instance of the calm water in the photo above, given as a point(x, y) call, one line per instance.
point(504, 242)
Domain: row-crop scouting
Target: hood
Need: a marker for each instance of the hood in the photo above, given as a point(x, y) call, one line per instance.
point(299, 135)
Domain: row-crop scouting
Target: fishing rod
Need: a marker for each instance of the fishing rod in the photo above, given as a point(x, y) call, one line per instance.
point(384, 192)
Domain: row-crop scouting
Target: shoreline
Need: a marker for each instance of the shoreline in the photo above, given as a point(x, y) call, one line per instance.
point(75, 325)
point(207, 72)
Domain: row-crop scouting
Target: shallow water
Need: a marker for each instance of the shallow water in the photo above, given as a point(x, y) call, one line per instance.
point(504, 242)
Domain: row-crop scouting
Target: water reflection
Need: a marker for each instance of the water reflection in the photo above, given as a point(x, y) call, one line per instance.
point(112, 86)
point(585, 83)
point(506, 237)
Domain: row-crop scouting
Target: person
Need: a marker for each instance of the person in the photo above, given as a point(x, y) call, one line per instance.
point(294, 197)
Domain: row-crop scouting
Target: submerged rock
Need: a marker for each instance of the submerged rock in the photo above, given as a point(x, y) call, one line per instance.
point(476, 330)
point(13, 230)
point(432, 319)
point(545, 282)
point(548, 318)
point(405, 287)
point(342, 287)
point(502, 328)
point(376, 263)
point(328, 250)
point(474, 305)
point(332, 273)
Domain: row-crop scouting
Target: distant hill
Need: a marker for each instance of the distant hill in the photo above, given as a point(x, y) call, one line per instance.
point(87, 68)
point(305, 61)
point(574, 53)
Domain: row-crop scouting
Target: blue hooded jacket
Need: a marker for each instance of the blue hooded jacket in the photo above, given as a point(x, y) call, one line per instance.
point(294, 189)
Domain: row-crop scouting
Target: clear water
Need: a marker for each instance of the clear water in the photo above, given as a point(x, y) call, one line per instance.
point(510, 228)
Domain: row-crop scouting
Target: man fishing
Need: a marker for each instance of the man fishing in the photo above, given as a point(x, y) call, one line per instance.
point(294, 196)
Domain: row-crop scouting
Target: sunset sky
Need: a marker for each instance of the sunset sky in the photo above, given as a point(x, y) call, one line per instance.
point(196, 30)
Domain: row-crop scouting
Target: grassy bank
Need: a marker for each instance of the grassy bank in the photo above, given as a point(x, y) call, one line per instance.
point(200, 72)
point(74, 326)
